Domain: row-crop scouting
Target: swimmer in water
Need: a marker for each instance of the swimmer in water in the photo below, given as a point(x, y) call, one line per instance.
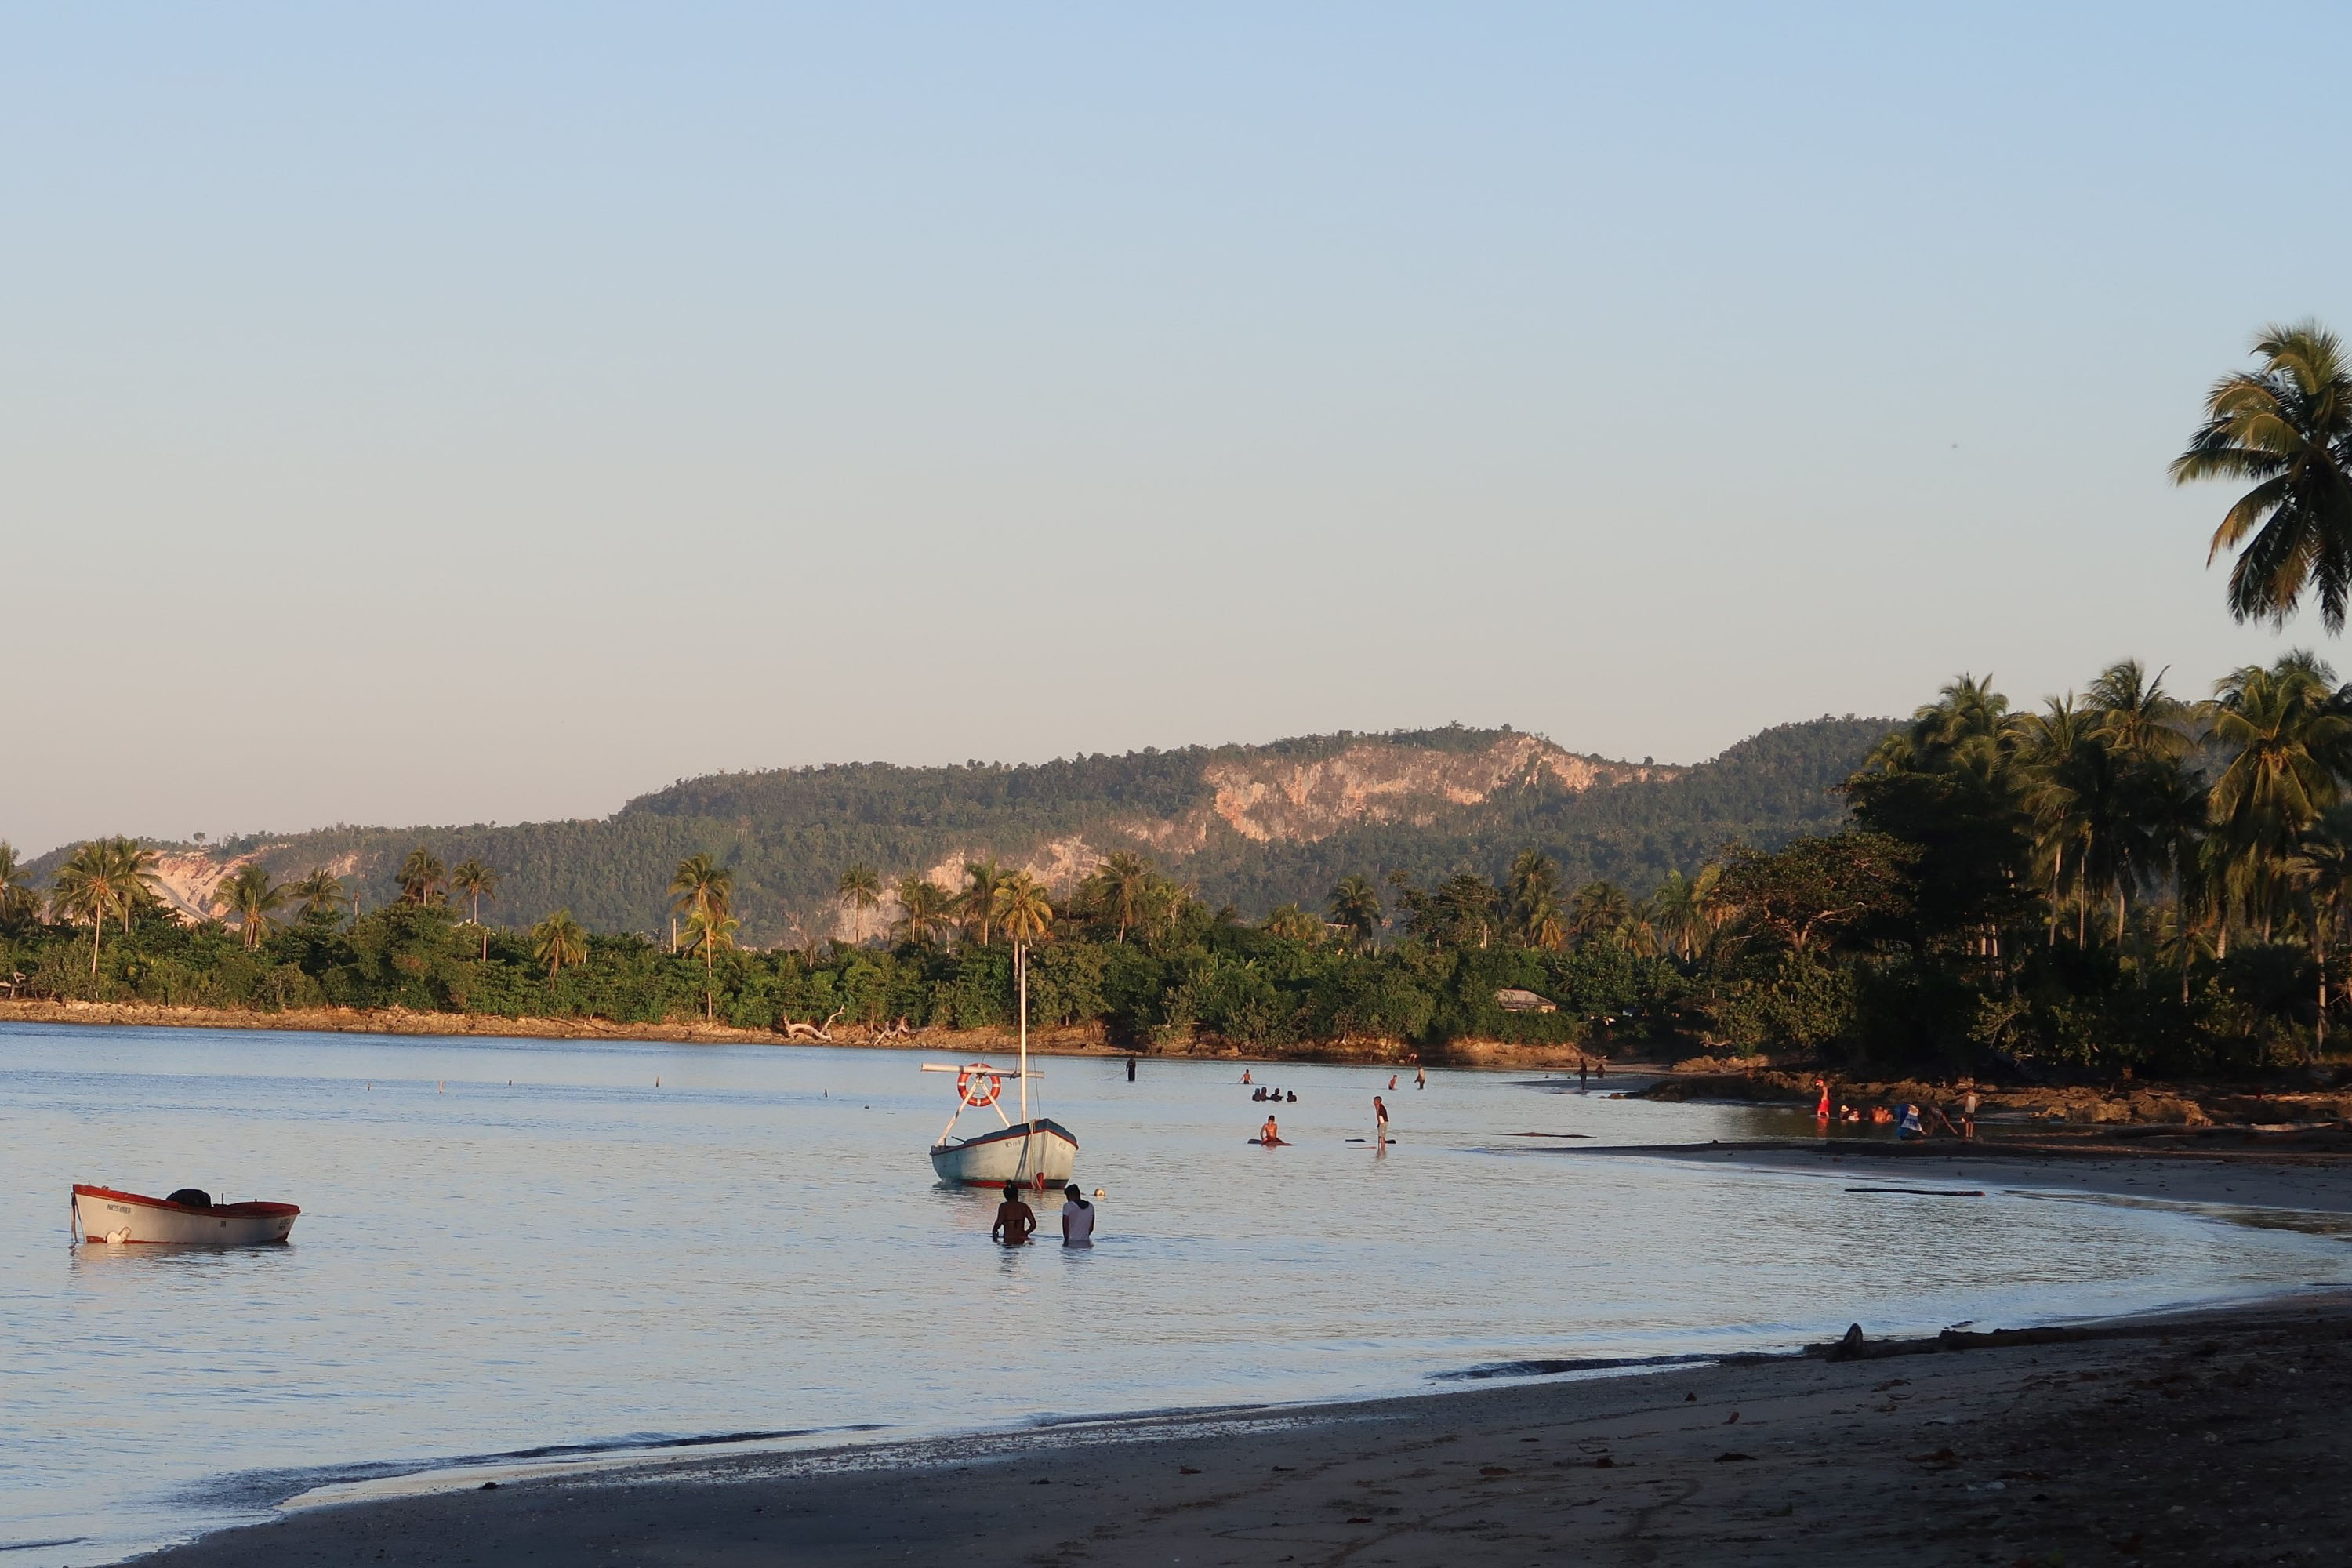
point(1269, 1134)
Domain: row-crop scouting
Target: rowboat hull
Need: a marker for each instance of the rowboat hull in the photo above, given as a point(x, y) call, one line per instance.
point(1030, 1153)
point(104, 1215)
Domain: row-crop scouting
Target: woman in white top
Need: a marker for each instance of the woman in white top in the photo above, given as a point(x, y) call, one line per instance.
point(1078, 1218)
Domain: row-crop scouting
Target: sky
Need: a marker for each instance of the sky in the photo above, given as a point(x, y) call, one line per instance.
point(491, 412)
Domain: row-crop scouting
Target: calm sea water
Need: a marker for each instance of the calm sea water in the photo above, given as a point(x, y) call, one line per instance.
point(511, 1244)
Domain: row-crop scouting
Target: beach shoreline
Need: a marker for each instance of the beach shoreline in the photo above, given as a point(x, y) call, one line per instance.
point(2176, 1436)
point(1918, 1454)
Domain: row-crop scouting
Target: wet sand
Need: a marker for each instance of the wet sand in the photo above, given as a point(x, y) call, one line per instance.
point(2209, 1438)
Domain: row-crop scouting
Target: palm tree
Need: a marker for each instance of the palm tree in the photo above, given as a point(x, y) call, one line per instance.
point(861, 890)
point(2286, 747)
point(101, 878)
point(250, 896)
point(320, 894)
point(2072, 776)
point(1355, 904)
point(1534, 900)
point(1293, 923)
point(2321, 872)
point(709, 930)
point(2137, 716)
point(702, 886)
point(982, 881)
point(1125, 879)
point(1686, 910)
point(476, 881)
point(558, 939)
point(2287, 428)
point(17, 900)
point(925, 905)
point(1022, 912)
point(1598, 910)
point(422, 875)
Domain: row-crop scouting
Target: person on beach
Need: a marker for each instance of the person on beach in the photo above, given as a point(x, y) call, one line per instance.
point(1269, 1134)
point(1379, 1120)
point(1969, 1103)
point(1583, 1075)
point(1909, 1127)
point(1078, 1218)
point(1015, 1219)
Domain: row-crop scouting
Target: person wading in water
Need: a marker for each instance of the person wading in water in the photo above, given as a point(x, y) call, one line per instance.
point(1015, 1219)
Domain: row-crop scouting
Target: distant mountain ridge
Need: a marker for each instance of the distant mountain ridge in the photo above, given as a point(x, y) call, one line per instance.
point(1252, 825)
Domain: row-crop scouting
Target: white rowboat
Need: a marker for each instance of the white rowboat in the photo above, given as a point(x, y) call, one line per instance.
point(1039, 1154)
point(1034, 1154)
point(103, 1214)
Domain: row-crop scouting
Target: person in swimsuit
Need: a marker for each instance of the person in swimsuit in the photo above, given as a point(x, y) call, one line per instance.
point(1379, 1120)
point(1015, 1219)
point(1269, 1134)
point(1078, 1218)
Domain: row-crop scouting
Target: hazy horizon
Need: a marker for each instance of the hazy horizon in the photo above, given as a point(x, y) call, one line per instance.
point(492, 414)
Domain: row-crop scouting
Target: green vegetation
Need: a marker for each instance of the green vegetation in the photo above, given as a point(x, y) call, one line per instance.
point(2123, 881)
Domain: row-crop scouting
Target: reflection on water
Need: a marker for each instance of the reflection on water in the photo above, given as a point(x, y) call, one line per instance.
point(577, 1259)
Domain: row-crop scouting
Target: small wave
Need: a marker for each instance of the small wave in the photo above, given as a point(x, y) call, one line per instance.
point(1554, 1368)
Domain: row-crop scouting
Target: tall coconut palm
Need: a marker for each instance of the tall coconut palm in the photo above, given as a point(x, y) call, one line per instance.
point(2321, 874)
point(710, 929)
point(1599, 909)
point(1686, 912)
point(17, 900)
point(2287, 428)
point(982, 881)
point(422, 878)
point(248, 894)
point(923, 907)
point(2284, 747)
point(1022, 913)
point(702, 886)
point(1125, 879)
point(2071, 791)
point(860, 889)
point(319, 894)
point(1355, 904)
point(474, 881)
point(1532, 900)
point(101, 880)
point(558, 939)
point(2136, 717)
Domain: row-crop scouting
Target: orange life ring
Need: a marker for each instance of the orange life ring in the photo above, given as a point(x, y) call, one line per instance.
point(979, 1086)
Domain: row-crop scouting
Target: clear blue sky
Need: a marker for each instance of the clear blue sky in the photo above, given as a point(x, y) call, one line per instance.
point(462, 412)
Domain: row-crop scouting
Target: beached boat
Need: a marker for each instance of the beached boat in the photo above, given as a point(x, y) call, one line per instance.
point(1033, 1151)
point(186, 1218)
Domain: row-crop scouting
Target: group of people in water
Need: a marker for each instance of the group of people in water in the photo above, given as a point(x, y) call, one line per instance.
point(1016, 1222)
point(1270, 1134)
point(1908, 1119)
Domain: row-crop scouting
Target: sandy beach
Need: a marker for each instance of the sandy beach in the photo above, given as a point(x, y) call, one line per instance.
point(2206, 1437)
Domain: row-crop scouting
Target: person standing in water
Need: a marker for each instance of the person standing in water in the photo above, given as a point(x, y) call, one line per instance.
point(1392, 1078)
point(1078, 1218)
point(1969, 1103)
point(1130, 1069)
point(1015, 1219)
point(1421, 1078)
point(1584, 1075)
point(1379, 1120)
point(1822, 1111)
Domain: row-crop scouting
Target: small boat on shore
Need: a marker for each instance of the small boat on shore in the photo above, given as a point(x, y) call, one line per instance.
point(187, 1218)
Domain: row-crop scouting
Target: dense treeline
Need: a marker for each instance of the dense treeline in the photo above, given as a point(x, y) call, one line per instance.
point(2119, 881)
point(786, 834)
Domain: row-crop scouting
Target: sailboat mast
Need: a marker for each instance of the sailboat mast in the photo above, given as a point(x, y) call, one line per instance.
point(1021, 977)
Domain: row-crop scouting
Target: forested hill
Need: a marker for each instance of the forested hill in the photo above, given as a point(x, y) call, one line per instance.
point(1252, 825)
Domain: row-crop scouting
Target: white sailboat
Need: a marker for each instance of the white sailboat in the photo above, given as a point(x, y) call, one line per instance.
point(1035, 1152)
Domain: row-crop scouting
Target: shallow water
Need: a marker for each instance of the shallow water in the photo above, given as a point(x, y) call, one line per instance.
point(579, 1257)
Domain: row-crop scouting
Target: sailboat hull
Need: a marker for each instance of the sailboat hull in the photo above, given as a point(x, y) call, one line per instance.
point(1030, 1153)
